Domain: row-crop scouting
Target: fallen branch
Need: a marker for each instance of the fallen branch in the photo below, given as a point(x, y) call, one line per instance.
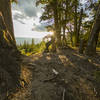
point(63, 97)
point(50, 79)
point(55, 72)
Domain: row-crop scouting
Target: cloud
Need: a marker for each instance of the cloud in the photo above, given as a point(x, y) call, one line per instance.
point(28, 8)
point(18, 16)
point(26, 17)
point(39, 28)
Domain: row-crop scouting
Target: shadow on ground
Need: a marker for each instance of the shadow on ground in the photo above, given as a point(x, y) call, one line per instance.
point(10, 69)
point(65, 75)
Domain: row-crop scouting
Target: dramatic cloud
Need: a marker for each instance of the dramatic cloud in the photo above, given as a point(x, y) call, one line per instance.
point(27, 7)
point(26, 17)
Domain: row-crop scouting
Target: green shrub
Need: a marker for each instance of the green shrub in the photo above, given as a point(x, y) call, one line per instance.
point(97, 76)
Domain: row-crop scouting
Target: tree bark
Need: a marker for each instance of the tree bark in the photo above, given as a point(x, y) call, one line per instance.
point(64, 39)
point(92, 42)
point(5, 9)
point(8, 56)
point(81, 47)
point(8, 50)
point(79, 25)
point(65, 21)
point(5, 37)
point(75, 26)
point(56, 23)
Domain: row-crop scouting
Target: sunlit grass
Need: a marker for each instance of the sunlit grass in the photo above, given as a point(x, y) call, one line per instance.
point(97, 76)
point(98, 48)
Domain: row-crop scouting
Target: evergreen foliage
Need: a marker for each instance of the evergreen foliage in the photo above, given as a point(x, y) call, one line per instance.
point(70, 20)
point(32, 48)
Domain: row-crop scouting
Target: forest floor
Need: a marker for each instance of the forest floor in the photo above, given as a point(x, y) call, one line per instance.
point(65, 75)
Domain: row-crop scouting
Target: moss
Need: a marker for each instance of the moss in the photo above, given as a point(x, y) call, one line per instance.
point(98, 49)
point(97, 76)
point(4, 35)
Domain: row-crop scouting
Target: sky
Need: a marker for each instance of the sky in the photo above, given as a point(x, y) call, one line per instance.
point(26, 19)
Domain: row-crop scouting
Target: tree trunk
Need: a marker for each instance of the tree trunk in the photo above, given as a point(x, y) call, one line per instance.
point(9, 65)
point(91, 46)
point(81, 47)
point(56, 23)
point(5, 37)
point(79, 25)
point(65, 21)
point(5, 9)
point(64, 33)
point(75, 26)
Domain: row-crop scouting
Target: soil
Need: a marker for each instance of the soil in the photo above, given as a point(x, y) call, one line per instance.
point(65, 75)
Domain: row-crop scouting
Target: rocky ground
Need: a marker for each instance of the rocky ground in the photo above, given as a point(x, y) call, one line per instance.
point(65, 75)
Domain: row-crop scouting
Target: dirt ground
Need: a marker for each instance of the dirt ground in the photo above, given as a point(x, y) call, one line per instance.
point(65, 75)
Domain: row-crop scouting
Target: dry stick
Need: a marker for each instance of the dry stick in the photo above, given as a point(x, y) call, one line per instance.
point(47, 80)
point(63, 97)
